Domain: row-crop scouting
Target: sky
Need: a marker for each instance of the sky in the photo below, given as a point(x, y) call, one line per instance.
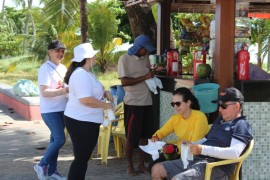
point(10, 3)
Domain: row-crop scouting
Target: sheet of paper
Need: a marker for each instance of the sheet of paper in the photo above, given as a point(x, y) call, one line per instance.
point(186, 156)
point(152, 148)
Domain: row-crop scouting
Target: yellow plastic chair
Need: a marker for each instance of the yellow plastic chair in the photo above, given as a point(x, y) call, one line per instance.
point(119, 137)
point(235, 175)
point(106, 132)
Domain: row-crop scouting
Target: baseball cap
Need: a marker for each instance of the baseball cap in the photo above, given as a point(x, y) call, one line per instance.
point(83, 51)
point(230, 94)
point(56, 44)
point(142, 41)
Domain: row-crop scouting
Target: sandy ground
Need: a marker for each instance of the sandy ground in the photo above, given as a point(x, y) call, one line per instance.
point(22, 144)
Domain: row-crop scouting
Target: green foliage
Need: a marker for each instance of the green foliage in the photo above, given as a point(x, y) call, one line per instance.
point(260, 34)
point(59, 20)
point(9, 45)
point(103, 28)
point(102, 23)
point(62, 14)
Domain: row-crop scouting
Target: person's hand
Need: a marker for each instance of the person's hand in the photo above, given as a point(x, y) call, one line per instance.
point(109, 96)
point(159, 68)
point(149, 75)
point(154, 138)
point(195, 149)
point(109, 106)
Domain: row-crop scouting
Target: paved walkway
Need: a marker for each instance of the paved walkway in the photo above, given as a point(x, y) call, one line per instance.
point(22, 143)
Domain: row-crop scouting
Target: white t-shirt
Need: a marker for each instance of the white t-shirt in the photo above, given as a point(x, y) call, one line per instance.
point(52, 75)
point(134, 67)
point(84, 84)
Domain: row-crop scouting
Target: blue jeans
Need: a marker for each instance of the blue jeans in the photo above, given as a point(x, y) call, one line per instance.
point(55, 122)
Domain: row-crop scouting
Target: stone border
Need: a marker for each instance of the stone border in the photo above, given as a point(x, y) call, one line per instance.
point(27, 107)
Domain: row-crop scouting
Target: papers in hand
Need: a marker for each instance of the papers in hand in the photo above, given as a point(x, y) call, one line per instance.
point(108, 116)
point(186, 156)
point(153, 83)
point(152, 148)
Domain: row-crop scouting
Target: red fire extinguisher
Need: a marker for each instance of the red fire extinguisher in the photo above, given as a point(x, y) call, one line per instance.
point(199, 58)
point(243, 63)
point(172, 62)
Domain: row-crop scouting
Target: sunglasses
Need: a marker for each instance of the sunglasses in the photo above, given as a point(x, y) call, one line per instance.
point(178, 103)
point(224, 105)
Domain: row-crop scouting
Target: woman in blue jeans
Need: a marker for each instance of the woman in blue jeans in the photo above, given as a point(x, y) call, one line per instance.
point(53, 100)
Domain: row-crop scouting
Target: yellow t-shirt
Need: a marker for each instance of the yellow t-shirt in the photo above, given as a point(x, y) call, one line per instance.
point(192, 129)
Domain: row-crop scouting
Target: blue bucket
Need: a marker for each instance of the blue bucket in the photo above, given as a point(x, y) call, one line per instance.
point(120, 93)
point(113, 90)
point(205, 93)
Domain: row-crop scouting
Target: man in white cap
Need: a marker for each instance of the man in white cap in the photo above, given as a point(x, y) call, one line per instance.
point(133, 70)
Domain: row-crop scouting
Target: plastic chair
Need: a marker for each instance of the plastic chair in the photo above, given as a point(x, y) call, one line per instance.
point(119, 137)
point(239, 161)
point(106, 132)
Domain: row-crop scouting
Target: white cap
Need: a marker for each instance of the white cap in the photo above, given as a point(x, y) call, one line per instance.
point(83, 51)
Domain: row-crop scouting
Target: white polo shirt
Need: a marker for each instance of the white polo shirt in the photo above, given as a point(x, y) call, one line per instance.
point(52, 75)
point(84, 84)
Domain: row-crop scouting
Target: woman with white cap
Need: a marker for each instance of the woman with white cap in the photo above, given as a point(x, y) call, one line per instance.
point(84, 111)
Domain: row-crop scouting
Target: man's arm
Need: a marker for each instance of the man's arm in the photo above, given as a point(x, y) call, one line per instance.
point(232, 152)
point(126, 81)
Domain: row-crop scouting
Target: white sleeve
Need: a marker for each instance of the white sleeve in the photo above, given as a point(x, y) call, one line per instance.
point(232, 152)
point(200, 141)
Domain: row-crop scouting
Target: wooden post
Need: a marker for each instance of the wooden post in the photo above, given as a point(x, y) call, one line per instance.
point(163, 26)
point(224, 43)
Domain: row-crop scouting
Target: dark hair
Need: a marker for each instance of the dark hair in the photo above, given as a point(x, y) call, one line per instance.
point(72, 68)
point(187, 95)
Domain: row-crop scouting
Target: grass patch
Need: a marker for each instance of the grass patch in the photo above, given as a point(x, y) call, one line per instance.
point(30, 71)
point(23, 71)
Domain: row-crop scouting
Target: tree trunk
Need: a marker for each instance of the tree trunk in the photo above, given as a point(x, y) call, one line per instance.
point(268, 59)
point(3, 10)
point(84, 22)
point(259, 59)
point(142, 21)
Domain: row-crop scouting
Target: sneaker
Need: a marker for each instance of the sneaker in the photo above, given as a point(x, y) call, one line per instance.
point(41, 172)
point(56, 176)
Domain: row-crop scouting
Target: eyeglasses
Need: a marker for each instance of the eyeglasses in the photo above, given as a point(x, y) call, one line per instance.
point(224, 105)
point(178, 103)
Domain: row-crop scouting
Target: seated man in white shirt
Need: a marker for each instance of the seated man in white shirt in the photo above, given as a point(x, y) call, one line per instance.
point(227, 139)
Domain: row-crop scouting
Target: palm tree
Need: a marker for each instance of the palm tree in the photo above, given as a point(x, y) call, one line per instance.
point(260, 32)
point(142, 21)
point(103, 28)
point(84, 24)
point(3, 10)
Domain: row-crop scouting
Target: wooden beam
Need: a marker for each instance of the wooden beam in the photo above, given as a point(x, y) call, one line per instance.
point(163, 31)
point(224, 43)
point(192, 8)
